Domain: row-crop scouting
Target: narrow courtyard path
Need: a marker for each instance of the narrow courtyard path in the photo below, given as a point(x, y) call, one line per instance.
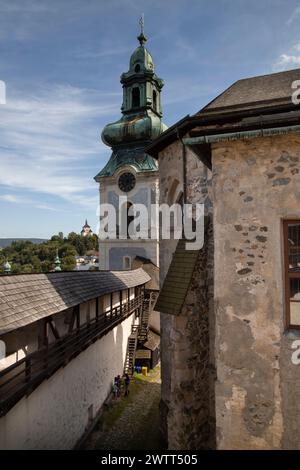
point(131, 423)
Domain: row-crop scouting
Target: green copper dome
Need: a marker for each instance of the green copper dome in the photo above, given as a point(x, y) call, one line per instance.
point(141, 109)
point(141, 57)
point(144, 126)
point(129, 156)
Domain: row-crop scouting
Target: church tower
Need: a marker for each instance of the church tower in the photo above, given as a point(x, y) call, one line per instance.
point(130, 171)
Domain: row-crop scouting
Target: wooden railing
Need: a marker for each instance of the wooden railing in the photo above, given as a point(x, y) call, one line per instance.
point(22, 377)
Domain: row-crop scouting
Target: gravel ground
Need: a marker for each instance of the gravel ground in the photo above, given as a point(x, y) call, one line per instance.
point(131, 423)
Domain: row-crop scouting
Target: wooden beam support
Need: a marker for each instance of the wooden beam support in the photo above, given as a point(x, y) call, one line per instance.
point(77, 314)
point(121, 300)
point(54, 329)
point(97, 307)
point(111, 304)
point(73, 318)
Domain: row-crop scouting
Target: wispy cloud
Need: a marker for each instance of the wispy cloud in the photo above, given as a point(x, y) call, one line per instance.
point(293, 16)
point(16, 199)
point(288, 60)
point(45, 136)
point(102, 52)
point(20, 20)
point(11, 198)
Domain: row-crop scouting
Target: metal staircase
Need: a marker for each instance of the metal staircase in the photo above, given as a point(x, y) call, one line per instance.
point(131, 348)
point(139, 333)
point(144, 325)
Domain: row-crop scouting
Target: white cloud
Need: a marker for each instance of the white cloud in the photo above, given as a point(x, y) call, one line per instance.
point(16, 199)
point(11, 198)
point(288, 60)
point(103, 52)
point(45, 136)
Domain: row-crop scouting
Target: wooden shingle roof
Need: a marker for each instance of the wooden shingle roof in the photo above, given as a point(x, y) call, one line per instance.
point(254, 96)
point(255, 92)
point(177, 280)
point(27, 298)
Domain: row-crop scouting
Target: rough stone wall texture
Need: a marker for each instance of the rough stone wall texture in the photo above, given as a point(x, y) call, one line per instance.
point(56, 414)
point(256, 183)
point(187, 406)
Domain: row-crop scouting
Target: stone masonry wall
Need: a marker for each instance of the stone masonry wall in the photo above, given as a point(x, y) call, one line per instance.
point(187, 406)
point(256, 183)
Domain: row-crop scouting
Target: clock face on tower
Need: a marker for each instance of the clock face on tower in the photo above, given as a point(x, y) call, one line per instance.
point(126, 182)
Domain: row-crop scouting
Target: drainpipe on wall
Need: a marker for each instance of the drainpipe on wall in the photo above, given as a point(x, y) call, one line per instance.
point(184, 185)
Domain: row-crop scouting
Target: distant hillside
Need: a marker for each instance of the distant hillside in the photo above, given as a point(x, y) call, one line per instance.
point(4, 242)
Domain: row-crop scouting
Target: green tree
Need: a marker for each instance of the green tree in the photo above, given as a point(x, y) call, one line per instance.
point(36, 263)
point(68, 263)
point(26, 256)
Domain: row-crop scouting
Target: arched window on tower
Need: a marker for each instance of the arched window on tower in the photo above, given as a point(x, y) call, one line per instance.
point(137, 68)
point(135, 97)
point(154, 99)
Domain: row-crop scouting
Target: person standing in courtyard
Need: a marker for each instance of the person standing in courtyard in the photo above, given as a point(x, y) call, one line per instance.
point(118, 386)
point(115, 388)
point(126, 382)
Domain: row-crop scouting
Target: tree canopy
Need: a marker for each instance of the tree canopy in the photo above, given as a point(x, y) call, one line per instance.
point(28, 257)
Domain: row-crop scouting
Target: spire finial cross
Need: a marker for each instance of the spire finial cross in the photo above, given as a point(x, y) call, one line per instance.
point(142, 38)
point(142, 23)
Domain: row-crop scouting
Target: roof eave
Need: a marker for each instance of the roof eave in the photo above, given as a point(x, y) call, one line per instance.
point(217, 116)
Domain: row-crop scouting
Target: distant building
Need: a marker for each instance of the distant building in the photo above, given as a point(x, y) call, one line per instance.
point(86, 229)
point(87, 263)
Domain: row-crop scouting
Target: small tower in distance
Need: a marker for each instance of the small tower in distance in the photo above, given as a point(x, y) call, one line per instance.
point(86, 229)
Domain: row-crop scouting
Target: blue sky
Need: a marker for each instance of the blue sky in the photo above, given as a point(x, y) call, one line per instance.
point(61, 61)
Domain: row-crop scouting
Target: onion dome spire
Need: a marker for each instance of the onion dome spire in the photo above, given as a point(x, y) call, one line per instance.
point(141, 120)
point(7, 267)
point(57, 262)
point(142, 38)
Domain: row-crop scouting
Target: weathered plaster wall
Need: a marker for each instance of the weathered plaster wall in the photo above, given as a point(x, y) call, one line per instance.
point(19, 343)
point(187, 406)
point(57, 413)
point(256, 183)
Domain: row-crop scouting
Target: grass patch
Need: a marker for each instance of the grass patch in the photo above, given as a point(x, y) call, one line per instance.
point(116, 407)
point(132, 422)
